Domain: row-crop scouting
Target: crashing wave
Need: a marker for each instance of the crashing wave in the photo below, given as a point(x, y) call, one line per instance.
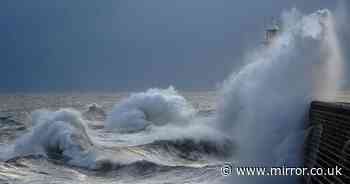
point(62, 136)
point(59, 135)
point(264, 105)
point(154, 107)
point(95, 112)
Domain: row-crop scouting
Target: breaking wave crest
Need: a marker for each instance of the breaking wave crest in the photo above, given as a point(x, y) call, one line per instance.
point(61, 135)
point(261, 108)
point(154, 107)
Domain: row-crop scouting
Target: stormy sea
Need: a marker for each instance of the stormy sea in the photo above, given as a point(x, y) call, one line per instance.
point(256, 117)
point(69, 143)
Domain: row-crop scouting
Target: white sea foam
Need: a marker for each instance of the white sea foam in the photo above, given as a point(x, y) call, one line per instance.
point(60, 133)
point(154, 107)
point(263, 106)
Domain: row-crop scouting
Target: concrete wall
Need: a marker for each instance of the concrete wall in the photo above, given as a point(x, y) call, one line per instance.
point(328, 141)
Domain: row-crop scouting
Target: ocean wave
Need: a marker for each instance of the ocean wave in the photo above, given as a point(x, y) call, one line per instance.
point(154, 107)
point(60, 134)
point(191, 149)
point(95, 112)
point(264, 105)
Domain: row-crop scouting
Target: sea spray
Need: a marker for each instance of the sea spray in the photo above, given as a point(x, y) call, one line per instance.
point(154, 107)
point(264, 105)
point(333, 66)
point(57, 134)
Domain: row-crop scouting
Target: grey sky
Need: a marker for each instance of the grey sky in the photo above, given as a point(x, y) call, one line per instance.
point(69, 45)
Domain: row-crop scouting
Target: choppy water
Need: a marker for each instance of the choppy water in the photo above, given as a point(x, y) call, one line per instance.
point(133, 157)
point(159, 136)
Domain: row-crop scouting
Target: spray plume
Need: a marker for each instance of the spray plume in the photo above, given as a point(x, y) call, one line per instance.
point(264, 105)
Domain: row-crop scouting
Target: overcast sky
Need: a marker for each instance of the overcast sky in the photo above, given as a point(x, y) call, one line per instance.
point(119, 45)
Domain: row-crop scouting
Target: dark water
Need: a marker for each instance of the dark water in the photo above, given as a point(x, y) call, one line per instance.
point(135, 157)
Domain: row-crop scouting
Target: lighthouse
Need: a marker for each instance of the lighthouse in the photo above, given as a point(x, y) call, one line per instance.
point(271, 33)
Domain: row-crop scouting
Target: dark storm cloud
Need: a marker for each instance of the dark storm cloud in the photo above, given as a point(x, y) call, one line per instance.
point(129, 45)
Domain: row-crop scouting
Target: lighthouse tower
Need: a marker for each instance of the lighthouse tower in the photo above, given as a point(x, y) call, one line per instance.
point(271, 33)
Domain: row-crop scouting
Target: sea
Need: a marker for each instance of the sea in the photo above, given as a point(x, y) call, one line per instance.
point(137, 157)
point(256, 117)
